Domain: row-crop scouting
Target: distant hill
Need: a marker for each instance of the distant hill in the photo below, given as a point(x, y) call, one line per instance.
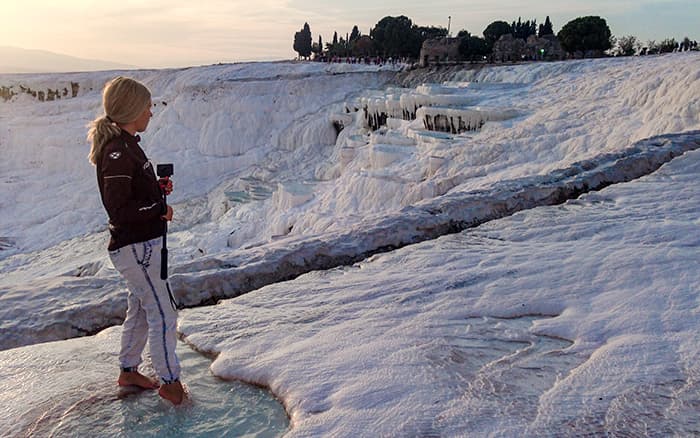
point(17, 60)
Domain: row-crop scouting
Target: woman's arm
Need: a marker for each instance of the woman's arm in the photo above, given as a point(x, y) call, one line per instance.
point(118, 196)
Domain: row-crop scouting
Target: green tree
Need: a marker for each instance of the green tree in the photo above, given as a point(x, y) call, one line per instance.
point(355, 34)
point(686, 44)
point(496, 30)
point(523, 30)
point(342, 49)
point(586, 34)
point(473, 48)
point(396, 36)
point(333, 48)
point(627, 45)
point(546, 28)
point(302, 41)
point(668, 45)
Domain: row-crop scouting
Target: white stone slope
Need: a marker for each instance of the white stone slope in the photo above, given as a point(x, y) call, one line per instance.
point(52, 224)
point(211, 122)
point(246, 187)
point(206, 282)
point(466, 334)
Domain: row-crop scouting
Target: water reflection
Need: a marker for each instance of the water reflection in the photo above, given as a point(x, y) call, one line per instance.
point(88, 402)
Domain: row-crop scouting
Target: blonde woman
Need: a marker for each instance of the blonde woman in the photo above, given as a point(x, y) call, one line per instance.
point(137, 216)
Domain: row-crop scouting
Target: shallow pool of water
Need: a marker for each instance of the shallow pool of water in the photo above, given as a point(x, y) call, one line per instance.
point(78, 396)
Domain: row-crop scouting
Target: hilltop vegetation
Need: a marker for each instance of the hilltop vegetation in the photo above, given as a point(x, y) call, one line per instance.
point(398, 37)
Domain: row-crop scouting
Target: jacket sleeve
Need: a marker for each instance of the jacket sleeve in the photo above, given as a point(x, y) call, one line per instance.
point(120, 202)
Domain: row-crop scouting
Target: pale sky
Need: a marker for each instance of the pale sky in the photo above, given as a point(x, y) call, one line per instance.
point(170, 33)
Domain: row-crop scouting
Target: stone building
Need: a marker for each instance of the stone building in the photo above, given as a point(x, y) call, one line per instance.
point(509, 49)
point(438, 50)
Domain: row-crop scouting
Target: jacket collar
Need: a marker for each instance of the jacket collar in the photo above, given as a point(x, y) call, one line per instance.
point(131, 140)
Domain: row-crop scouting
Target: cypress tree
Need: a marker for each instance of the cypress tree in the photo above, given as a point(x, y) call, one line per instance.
point(546, 28)
point(302, 41)
point(355, 34)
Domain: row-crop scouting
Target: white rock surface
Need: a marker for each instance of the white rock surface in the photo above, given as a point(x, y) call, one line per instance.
point(466, 334)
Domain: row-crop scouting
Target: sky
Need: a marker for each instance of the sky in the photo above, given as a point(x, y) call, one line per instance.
point(175, 33)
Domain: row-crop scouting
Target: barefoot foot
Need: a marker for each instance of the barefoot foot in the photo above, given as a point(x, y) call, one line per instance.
point(136, 379)
point(173, 392)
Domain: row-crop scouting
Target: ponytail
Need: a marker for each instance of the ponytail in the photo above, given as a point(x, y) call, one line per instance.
point(102, 130)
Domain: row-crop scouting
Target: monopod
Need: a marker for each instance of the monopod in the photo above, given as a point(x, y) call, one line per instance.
point(164, 171)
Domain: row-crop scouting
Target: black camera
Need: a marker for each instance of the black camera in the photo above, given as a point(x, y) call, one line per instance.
point(164, 170)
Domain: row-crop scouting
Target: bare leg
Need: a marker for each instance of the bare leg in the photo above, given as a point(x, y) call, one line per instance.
point(173, 392)
point(137, 379)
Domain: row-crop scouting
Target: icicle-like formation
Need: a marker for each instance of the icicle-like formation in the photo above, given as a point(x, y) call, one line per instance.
point(405, 104)
point(457, 120)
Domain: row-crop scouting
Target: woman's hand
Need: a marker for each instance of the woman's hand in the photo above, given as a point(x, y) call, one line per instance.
point(166, 184)
point(168, 216)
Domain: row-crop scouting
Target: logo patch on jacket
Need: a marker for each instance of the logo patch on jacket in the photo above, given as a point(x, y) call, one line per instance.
point(115, 155)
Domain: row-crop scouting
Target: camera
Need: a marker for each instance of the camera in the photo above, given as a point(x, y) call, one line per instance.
point(164, 170)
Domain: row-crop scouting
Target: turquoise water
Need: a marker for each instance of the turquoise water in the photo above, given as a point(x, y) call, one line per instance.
point(249, 189)
point(216, 408)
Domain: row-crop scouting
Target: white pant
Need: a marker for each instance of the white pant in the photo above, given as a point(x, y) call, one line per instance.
point(151, 314)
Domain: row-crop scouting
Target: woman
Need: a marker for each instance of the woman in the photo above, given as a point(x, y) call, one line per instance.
point(137, 217)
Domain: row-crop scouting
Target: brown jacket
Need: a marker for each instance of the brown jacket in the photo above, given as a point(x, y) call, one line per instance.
point(130, 192)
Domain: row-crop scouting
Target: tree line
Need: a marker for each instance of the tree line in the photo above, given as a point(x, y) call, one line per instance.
point(399, 37)
point(629, 45)
point(390, 37)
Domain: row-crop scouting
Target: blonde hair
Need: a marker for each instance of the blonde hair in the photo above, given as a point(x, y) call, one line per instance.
point(124, 100)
